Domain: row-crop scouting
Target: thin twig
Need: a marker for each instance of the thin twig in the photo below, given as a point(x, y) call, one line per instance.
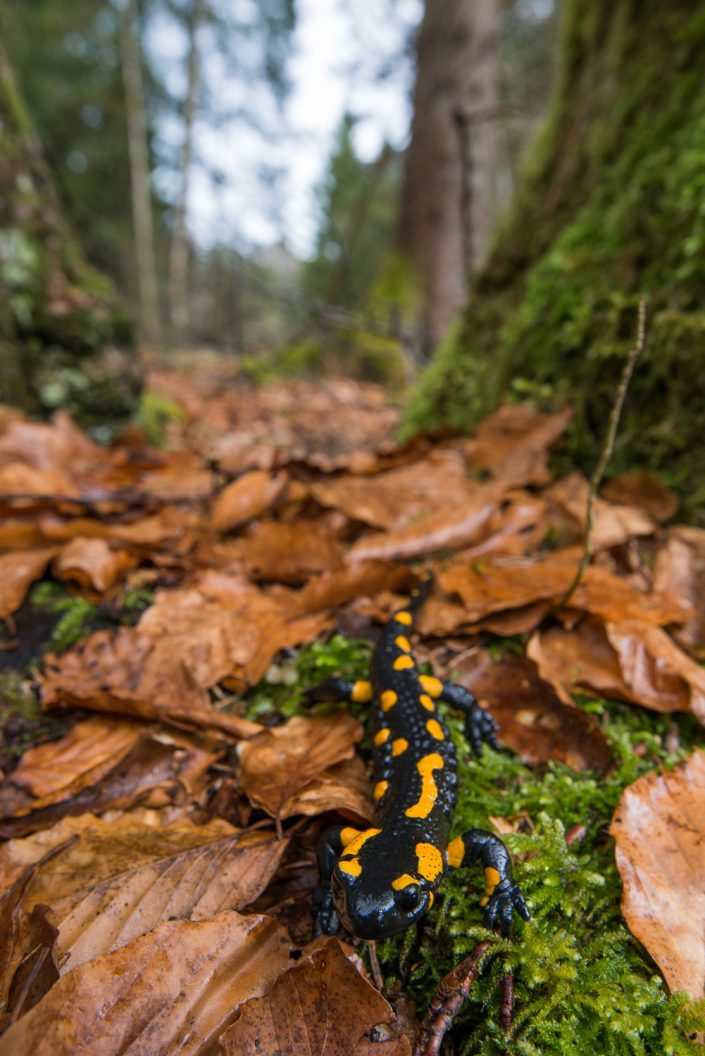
point(608, 447)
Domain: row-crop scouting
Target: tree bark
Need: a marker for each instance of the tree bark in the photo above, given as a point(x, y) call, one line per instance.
point(143, 225)
point(447, 208)
point(57, 313)
point(609, 208)
point(179, 257)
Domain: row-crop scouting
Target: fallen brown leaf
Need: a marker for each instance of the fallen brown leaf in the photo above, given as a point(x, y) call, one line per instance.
point(17, 572)
point(398, 497)
point(117, 880)
point(533, 720)
point(632, 660)
point(277, 764)
point(645, 490)
point(126, 673)
point(174, 989)
point(248, 497)
point(446, 529)
point(155, 765)
point(612, 524)
point(680, 569)
point(92, 564)
point(513, 443)
point(321, 1007)
point(660, 832)
point(285, 552)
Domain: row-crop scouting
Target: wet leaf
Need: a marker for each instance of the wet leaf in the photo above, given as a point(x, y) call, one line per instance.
point(119, 879)
point(248, 497)
point(92, 564)
point(533, 720)
point(174, 989)
point(321, 1007)
point(645, 490)
point(680, 569)
point(659, 827)
point(277, 764)
point(513, 443)
point(126, 673)
point(439, 530)
point(17, 573)
point(154, 766)
point(398, 497)
point(612, 524)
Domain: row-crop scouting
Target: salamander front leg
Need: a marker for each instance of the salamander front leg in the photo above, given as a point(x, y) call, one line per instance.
point(325, 917)
point(479, 725)
point(503, 896)
point(338, 689)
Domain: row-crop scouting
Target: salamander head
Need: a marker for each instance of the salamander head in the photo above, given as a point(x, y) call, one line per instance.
point(372, 910)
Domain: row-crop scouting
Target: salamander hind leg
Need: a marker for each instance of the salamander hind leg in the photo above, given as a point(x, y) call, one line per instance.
point(503, 896)
point(480, 727)
point(325, 916)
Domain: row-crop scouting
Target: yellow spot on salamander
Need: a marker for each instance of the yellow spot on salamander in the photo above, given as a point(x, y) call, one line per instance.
point(380, 788)
point(404, 617)
point(399, 746)
point(361, 692)
point(435, 729)
point(484, 901)
point(382, 736)
point(348, 834)
point(352, 868)
point(402, 643)
point(388, 699)
point(426, 702)
point(402, 663)
point(432, 685)
point(429, 790)
point(403, 881)
point(492, 878)
point(353, 848)
point(455, 852)
point(430, 861)
point(431, 899)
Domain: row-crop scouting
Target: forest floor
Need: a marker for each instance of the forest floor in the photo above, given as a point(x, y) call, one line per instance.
point(166, 600)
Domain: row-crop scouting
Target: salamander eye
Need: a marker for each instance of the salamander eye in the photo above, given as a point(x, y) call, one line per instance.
point(409, 897)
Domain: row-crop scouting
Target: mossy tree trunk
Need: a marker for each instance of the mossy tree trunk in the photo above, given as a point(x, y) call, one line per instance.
point(611, 205)
point(56, 313)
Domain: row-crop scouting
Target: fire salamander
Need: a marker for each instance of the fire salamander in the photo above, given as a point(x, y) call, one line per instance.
point(378, 881)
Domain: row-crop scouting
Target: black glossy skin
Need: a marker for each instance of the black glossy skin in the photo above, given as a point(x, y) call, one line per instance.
point(381, 884)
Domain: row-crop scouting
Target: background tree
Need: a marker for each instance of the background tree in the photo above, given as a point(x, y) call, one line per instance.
point(56, 312)
point(610, 207)
point(148, 313)
point(447, 205)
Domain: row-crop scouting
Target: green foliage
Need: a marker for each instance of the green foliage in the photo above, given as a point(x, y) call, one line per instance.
point(154, 414)
point(610, 207)
point(74, 611)
point(279, 692)
point(358, 203)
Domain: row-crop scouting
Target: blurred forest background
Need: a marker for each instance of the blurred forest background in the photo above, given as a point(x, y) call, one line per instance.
point(542, 169)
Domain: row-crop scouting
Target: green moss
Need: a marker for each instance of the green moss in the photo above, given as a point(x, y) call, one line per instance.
point(611, 206)
point(154, 413)
point(74, 611)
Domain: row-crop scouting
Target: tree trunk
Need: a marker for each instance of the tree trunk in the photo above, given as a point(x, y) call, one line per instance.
point(179, 260)
point(447, 206)
point(56, 312)
point(610, 207)
point(143, 226)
